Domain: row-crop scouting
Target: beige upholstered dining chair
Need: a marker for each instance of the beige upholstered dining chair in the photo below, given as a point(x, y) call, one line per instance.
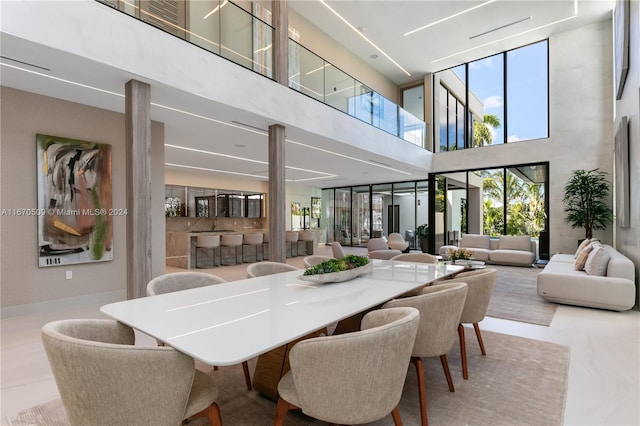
point(351, 378)
point(481, 284)
point(104, 379)
point(337, 250)
point(268, 268)
point(177, 281)
point(416, 257)
point(440, 310)
point(314, 259)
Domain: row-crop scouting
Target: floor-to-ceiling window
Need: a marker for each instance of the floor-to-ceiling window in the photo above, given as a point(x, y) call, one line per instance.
point(494, 100)
point(510, 200)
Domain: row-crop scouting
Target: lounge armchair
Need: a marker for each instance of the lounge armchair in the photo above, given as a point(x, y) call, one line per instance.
point(397, 242)
point(378, 249)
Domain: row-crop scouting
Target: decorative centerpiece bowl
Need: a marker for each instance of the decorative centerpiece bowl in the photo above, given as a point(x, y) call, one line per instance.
point(337, 270)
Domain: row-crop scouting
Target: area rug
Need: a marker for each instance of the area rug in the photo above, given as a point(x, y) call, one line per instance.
point(520, 382)
point(515, 296)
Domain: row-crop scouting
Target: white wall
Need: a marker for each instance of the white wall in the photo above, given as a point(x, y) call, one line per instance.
point(580, 133)
point(23, 116)
point(628, 239)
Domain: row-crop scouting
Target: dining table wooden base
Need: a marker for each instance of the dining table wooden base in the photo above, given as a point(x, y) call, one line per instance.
point(271, 366)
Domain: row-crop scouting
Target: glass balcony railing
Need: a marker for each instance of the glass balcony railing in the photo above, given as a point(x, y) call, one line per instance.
point(221, 27)
point(323, 81)
point(228, 30)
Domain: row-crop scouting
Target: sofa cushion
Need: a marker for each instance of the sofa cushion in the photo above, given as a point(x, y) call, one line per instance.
point(479, 253)
point(597, 261)
point(475, 241)
point(512, 257)
point(515, 242)
point(581, 260)
point(582, 245)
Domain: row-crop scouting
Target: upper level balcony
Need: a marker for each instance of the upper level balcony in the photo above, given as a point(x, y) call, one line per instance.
point(228, 30)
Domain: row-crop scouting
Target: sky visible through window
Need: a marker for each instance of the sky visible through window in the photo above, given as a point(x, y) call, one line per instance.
point(527, 94)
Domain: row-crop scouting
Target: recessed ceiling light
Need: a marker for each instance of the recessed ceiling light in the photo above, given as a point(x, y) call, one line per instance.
point(350, 25)
point(448, 17)
point(373, 56)
point(239, 145)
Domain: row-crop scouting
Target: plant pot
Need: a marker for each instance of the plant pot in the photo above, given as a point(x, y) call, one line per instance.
point(424, 245)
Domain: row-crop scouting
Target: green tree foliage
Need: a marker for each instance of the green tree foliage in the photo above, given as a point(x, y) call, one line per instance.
point(525, 205)
point(482, 130)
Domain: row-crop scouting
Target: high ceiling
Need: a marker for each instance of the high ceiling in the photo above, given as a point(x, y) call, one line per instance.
point(454, 32)
point(485, 30)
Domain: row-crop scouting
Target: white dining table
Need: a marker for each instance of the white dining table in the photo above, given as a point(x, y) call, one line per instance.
point(228, 323)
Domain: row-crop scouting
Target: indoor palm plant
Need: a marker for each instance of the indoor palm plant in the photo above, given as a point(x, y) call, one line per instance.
point(585, 196)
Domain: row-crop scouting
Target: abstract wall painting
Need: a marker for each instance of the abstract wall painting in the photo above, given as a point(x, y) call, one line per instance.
point(74, 201)
point(621, 44)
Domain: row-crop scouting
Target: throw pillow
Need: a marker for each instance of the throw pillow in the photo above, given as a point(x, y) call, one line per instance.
point(597, 261)
point(582, 245)
point(581, 260)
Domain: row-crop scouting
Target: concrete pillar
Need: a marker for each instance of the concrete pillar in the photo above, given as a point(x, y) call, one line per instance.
point(138, 159)
point(277, 202)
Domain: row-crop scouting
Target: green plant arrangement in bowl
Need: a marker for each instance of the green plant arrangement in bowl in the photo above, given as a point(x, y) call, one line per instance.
point(337, 270)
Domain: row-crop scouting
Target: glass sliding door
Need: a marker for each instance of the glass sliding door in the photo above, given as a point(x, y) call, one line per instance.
point(381, 200)
point(493, 200)
point(327, 215)
point(361, 226)
point(342, 224)
point(526, 200)
point(404, 201)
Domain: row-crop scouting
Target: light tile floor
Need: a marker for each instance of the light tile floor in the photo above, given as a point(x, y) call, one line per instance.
point(604, 372)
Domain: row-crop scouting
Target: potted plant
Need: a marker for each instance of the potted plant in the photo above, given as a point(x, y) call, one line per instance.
point(585, 196)
point(422, 232)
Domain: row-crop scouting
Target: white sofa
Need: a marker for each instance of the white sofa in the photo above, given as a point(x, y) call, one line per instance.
point(516, 250)
point(559, 282)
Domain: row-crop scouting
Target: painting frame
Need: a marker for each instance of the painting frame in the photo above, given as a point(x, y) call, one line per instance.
point(622, 193)
point(74, 201)
point(316, 207)
point(621, 45)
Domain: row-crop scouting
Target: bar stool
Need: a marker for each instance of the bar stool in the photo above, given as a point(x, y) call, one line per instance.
point(265, 246)
point(252, 239)
point(306, 238)
point(231, 240)
point(291, 239)
point(208, 242)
